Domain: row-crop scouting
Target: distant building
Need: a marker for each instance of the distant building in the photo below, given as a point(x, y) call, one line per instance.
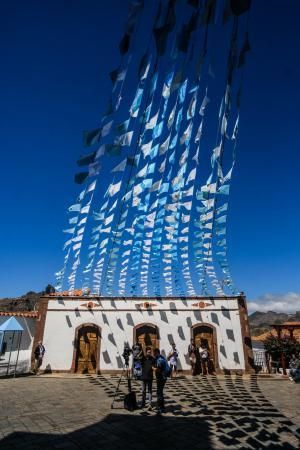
point(259, 356)
point(9, 351)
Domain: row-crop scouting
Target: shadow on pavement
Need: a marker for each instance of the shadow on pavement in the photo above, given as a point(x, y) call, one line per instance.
point(201, 413)
point(118, 431)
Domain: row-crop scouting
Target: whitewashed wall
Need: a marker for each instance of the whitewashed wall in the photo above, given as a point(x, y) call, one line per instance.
point(117, 319)
point(24, 361)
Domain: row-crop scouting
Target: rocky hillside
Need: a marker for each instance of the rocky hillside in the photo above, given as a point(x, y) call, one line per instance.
point(261, 322)
point(27, 302)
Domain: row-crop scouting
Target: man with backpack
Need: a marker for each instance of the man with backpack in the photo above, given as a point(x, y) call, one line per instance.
point(162, 371)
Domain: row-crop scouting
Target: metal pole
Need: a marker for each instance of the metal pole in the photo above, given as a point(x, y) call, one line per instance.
point(12, 343)
point(18, 352)
point(1, 341)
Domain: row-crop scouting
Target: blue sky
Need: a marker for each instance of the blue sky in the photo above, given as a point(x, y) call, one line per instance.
point(55, 59)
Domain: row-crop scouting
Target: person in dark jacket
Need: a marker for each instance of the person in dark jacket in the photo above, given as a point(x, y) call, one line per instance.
point(161, 368)
point(38, 356)
point(147, 377)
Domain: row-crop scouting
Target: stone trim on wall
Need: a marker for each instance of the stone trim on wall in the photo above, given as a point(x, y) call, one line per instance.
point(135, 309)
point(27, 314)
point(246, 336)
point(40, 325)
point(140, 297)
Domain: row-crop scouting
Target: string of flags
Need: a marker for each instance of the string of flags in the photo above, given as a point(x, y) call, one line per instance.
point(151, 215)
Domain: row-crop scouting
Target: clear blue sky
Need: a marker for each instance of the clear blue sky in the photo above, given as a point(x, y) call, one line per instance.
point(55, 60)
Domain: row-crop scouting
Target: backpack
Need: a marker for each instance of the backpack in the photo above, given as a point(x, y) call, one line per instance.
point(166, 369)
point(130, 402)
point(137, 370)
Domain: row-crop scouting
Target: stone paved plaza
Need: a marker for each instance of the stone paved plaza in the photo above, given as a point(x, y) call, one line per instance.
point(211, 412)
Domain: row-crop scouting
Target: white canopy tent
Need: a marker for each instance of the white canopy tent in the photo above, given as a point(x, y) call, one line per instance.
point(10, 341)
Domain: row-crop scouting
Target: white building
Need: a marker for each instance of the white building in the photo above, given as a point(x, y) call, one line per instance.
point(87, 333)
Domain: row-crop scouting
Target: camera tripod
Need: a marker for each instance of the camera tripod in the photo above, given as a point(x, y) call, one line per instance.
point(126, 372)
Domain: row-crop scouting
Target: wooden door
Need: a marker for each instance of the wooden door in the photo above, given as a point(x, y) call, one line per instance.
point(147, 336)
point(87, 350)
point(203, 334)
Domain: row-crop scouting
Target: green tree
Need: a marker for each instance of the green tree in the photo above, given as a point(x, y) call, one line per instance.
point(49, 289)
point(285, 345)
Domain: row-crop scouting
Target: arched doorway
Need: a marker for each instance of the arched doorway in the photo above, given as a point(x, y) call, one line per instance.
point(205, 334)
point(147, 335)
point(87, 348)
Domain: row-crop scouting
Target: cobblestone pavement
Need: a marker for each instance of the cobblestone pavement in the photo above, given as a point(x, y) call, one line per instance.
point(201, 412)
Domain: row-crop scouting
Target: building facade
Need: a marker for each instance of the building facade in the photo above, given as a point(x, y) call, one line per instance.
point(86, 334)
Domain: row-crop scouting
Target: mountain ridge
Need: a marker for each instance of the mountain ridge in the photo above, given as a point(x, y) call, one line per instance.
point(260, 322)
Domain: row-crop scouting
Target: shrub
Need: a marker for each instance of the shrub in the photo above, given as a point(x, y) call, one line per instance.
point(286, 345)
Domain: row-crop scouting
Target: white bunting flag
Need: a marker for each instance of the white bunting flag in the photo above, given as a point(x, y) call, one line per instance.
point(75, 208)
point(191, 176)
point(108, 220)
point(164, 146)
point(146, 149)
point(143, 172)
point(120, 167)
point(152, 122)
point(91, 187)
point(106, 129)
point(113, 189)
point(124, 139)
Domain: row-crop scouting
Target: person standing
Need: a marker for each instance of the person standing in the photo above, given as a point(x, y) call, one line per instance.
point(137, 357)
point(172, 357)
point(162, 372)
point(294, 366)
point(192, 351)
point(204, 356)
point(38, 356)
point(147, 377)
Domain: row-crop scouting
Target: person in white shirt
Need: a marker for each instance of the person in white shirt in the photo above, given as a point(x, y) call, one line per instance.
point(204, 356)
point(172, 357)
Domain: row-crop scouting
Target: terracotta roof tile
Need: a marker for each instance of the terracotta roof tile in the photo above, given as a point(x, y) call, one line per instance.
point(264, 335)
point(292, 323)
point(30, 314)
